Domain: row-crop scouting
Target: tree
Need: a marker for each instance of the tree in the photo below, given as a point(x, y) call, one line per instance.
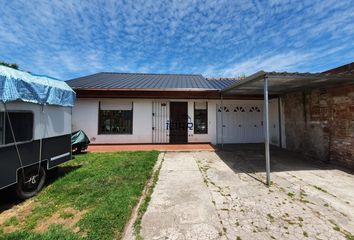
point(11, 65)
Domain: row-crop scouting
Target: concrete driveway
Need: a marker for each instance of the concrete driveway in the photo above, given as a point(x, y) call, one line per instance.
point(221, 195)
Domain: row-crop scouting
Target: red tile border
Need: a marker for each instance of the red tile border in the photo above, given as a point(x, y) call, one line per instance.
point(150, 147)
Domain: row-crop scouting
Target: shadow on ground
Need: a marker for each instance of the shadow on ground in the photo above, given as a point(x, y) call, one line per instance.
point(8, 197)
point(249, 158)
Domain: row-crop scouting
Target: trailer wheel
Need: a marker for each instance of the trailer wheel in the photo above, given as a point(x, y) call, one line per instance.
point(32, 184)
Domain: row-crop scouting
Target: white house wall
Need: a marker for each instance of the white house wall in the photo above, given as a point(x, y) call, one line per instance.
point(211, 136)
point(274, 122)
point(85, 117)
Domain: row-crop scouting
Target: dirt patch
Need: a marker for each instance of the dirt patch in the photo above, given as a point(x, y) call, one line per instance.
point(67, 217)
point(20, 211)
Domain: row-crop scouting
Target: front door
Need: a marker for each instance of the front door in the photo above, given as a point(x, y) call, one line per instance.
point(178, 122)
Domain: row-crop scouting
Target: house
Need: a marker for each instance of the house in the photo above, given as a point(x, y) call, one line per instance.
point(121, 108)
point(164, 108)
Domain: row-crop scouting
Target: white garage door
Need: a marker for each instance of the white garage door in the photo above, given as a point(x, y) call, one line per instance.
point(242, 123)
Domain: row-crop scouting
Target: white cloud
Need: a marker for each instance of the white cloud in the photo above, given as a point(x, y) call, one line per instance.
point(290, 61)
point(214, 37)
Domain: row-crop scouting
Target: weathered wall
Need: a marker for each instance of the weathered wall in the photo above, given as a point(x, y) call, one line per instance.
point(320, 124)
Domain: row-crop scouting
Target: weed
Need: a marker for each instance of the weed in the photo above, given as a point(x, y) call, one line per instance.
point(270, 216)
point(319, 188)
point(12, 221)
point(290, 194)
point(66, 215)
point(336, 228)
point(143, 207)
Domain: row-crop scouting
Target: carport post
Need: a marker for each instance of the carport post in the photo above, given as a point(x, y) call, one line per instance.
point(266, 130)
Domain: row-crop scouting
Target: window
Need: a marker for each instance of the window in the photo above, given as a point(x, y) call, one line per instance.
point(200, 118)
point(22, 125)
point(115, 121)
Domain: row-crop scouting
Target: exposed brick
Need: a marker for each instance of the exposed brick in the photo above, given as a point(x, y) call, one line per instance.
point(320, 124)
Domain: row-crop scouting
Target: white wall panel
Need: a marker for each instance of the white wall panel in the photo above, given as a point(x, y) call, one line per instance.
point(54, 121)
point(85, 117)
point(274, 122)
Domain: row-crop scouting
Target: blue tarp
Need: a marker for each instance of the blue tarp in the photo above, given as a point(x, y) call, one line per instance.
point(18, 85)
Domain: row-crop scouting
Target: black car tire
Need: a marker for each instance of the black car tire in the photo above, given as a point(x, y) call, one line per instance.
point(32, 184)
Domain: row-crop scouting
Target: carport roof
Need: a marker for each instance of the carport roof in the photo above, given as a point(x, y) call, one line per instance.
point(284, 82)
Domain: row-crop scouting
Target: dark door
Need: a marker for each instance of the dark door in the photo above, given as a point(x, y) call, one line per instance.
point(178, 122)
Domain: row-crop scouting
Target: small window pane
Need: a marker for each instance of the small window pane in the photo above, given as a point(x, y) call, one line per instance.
point(200, 121)
point(22, 125)
point(116, 122)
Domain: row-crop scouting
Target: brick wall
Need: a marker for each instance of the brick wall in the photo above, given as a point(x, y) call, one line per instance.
point(320, 124)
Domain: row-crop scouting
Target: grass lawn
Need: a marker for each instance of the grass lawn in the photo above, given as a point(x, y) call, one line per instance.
point(93, 199)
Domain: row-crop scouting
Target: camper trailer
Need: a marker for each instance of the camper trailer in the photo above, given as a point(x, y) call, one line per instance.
point(35, 129)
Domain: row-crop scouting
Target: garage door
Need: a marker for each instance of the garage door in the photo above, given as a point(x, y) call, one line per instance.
point(242, 123)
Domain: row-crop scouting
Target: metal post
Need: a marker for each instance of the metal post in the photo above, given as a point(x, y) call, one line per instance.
point(222, 122)
point(266, 129)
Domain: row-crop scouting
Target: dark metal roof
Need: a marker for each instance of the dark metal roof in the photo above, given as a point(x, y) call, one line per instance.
point(284, 82)
point(221, 83)
point(347, 68)
point(144, 81)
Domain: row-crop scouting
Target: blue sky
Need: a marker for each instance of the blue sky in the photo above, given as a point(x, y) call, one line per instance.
point(67, 39)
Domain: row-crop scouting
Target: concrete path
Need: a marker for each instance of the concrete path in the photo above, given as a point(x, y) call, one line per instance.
point(220, 195)
point(181, 205)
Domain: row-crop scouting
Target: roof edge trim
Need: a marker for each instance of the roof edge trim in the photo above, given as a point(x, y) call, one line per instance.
point(253, 77)
point(147, 89)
